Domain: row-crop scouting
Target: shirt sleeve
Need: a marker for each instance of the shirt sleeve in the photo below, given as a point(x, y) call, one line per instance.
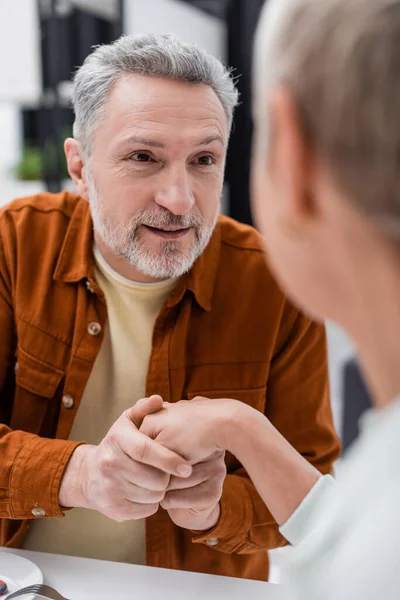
point(306, 516)
point(31, 467)
point(30, 475)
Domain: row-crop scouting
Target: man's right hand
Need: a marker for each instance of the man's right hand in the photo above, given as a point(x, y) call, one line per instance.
point(126, 476)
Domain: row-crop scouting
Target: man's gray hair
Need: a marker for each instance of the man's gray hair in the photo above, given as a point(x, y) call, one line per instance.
point(147, 55)
point(340, 59)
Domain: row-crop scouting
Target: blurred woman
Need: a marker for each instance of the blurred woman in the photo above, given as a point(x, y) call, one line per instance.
point(326, 197)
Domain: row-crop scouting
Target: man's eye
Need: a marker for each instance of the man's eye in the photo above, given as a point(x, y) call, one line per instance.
point(140, 157)
point(206, 160)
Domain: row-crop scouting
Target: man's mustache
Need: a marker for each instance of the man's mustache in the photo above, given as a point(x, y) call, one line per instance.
point(165, 218)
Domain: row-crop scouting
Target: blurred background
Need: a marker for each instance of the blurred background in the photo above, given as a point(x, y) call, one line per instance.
point(41, 44)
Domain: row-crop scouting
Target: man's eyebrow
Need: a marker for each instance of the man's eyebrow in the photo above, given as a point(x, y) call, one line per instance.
point(154, 144)
point(210, 139)
point(142, 140)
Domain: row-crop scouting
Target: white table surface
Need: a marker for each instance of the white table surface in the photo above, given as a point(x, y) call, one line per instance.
point(87, 579)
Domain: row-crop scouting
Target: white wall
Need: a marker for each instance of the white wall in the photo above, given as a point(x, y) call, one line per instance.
point(105, 9)
point(10, 136)
point(171, 16)
point(19, 51)
point(19, 79)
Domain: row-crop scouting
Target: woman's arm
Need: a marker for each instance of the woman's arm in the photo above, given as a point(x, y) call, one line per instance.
point(198, 428)
point(280, 474)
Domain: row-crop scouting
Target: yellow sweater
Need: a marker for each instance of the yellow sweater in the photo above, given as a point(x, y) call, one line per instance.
point(117, 381)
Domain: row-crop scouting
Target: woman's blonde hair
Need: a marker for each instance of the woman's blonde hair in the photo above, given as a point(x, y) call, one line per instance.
point(340, 59)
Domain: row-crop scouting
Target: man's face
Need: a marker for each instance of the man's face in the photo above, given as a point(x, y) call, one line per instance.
point(155, 174)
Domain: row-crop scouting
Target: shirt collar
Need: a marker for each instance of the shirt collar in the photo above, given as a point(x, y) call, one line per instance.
point(75, 261)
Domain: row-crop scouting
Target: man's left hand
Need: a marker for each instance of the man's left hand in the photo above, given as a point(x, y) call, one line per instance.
point(193, 503)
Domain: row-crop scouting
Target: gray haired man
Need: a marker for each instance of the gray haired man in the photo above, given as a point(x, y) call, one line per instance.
point(136, 286)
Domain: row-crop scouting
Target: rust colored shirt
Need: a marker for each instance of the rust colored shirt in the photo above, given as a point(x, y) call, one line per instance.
point(225, 330)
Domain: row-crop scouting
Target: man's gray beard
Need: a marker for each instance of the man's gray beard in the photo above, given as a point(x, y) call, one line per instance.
point(170, 261)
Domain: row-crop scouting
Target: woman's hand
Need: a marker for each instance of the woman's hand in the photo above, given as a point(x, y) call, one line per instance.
point(194, 429)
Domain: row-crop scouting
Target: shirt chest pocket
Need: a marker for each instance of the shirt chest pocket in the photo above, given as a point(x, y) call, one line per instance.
point(37, 393)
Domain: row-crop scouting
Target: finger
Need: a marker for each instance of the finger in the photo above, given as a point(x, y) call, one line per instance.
point(118, 467)
point(136, 474)
point(141, 448)
point(144, 407)
point(139, 495)
point(215, 455)
point(129, 511)
point(145, 477)
point(201, 473)
point(195, 498)
point(152, 424)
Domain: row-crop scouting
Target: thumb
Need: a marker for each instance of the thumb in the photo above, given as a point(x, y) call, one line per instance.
point(144, 407)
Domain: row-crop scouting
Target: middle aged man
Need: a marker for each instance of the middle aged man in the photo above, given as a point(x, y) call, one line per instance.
point(131, 287)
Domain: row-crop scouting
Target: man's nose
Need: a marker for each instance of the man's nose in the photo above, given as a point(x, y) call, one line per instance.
point(175, 193)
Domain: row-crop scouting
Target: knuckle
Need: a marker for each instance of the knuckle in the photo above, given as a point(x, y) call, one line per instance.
point(197, 398)
point(145, 428)
point(118, 517)
point(130, 511)
point(112, 436)
point(107, 463)
point(158, 487)
point(218, 456)
point(156, 481)
point(168, 501)
point(115, 512)
point(148, 510)
point(175, 483)
point(214, 468)
point(142, 448)
point(147, 420)
point(160, 482)
point(209, 489)
point(166, 504)
point(158, 497)
point(215, 493)
point(149, 496)
point(220, 470)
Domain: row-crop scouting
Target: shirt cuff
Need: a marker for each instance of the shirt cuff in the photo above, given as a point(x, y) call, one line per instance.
point(231, 532)
point(36, 478)
point(304, 519)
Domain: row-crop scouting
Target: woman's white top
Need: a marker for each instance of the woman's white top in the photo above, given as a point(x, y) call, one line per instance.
point(347, 532)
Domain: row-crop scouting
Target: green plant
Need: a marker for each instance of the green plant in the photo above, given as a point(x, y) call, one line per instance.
point(31, 165)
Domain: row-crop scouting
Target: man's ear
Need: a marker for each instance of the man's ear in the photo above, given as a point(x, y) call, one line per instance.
point(290, 161)
point(76, 166)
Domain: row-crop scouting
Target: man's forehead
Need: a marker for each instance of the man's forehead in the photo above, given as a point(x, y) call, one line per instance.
point(153, 103)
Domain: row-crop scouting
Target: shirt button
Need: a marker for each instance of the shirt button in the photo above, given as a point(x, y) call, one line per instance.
point(67, 401)
point(212, 542)
point(89, 286)
point(37, 511)
point(94, 328)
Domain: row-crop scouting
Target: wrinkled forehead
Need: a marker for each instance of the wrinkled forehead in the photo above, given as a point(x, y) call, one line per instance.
point(165, 109)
